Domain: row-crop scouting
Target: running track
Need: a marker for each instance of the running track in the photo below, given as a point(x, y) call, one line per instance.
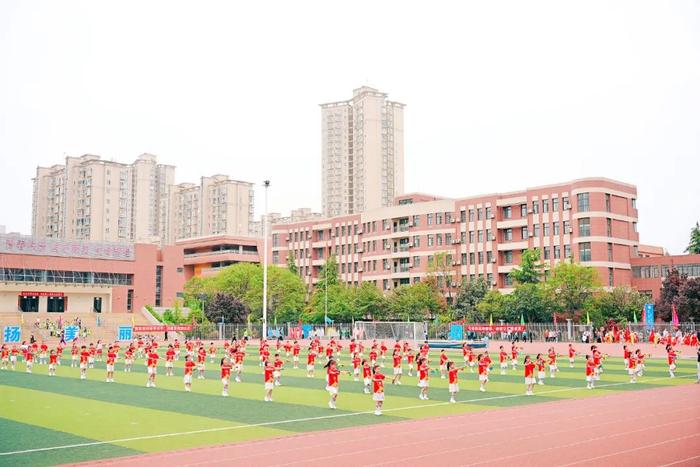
point(640, 428)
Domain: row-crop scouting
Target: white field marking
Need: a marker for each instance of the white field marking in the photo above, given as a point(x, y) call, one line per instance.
point(588, 440)
point(680, 438)
point(402, 433)
point(307, 419)
point(681, 461)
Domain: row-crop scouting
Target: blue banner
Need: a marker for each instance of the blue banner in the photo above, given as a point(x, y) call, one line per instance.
point(125, 333)
point(12, 334)
point(456, 332)
point(649, 314)
point(70, 333)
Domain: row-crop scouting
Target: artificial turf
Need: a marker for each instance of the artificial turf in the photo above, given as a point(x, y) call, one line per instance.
point(125, 417)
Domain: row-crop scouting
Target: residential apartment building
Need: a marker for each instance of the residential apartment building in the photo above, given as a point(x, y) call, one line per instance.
point(592, 221)
point(96, 200)
point(362, 153)
point(296, 215)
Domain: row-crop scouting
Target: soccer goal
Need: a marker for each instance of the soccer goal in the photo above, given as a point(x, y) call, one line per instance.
point(390, 330)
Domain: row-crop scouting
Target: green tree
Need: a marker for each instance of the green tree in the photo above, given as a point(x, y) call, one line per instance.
point(285, 295)
point(620, 304)
point(469, 296)
point(532, 302)
point(493, 305)
point(329, 272)
point(341, 304)
point(571, 284)
point(689, 300)
point(230, 308)
point(370, 303)
point(442, 268)
point(530, 269)
point(416, 302)
point(670, 294)
point(291, 263)
point(694, 245)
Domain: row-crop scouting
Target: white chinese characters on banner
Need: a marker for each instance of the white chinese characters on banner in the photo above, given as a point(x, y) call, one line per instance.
point(26, 245)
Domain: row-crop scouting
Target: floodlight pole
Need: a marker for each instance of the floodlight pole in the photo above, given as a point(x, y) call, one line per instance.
point(264, 316)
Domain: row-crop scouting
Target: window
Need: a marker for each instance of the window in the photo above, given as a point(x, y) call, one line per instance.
point(523, 233)
point(565, 203)
point(416, 241)
point(508, 235)
point(645, 272)
point(507, 281)
point(471, 215)
point(438, 218)
point(489, 257)
point(130, 299)
point(523, 210)
point(431, 240)
point(275, 259)
point(535, 207)
point(416, 221)
point(610, 252)
point(385, 264)
point(416, 261)
point(463, 216)
point(448, 239)
point(463, 237)
point(567, 227)
point(567, 251)
point(464, 258)
point(634, 203)
point(489, 278)
point(545, 252)
point(342, 268)
point(439, 239)
point(472, 259)
point(611, 277)
point(607, 202)
point(545, 205)
point(536, 230)
point(557, 252)
point(320, 235)
point(385, 284)
point(471, 236)
point(634, 226)
point(545, 230)
point(479, 214)
point(582, 202)
point(480, 235)
point(507, 212)
point(342, 228)
point(275, 242)
point(480, 257)
point(555, 204)
point(488, 213)
point(159, 283)
point(608, 227)
point(508, 257)
point(385, 245)
point(584, 227)
point(430, 219)
point(489, 237)
point(584, 250)
point(448, 218)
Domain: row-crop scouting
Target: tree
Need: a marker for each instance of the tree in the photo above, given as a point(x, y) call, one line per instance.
point(532, 302)
point(530, 269)
point(571, 284)
point(285, 295)
point(341, 306)
point(329, 272)
point(494, 305)
point(227, 306)
point(370, 303)
point(694, 245)
point(620, 304)
point(469, 296)
point(291, 263)
point(670, 293)
point(416, 302)
point(441, 266)
point(689, 300)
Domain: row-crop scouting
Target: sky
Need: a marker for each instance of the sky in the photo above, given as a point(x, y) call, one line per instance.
point(499, 96)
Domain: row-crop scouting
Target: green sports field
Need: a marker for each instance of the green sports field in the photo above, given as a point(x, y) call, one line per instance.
point(52, 420)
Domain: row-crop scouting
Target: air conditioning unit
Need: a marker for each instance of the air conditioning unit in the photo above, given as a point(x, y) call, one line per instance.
point(494, 283)
point(359, 232)
point(567, 207)
point(360, 250)
point(288, 238)
point(360, 270)
point(455, 263)
point(492, 216)
point(453, 221)
point(453, 284)
point(530, 211)
point(493, 260)
point(308, 273)
point(308, 236)
point(308, 255)
point(571, 230)
point(492, 238)
point(456, 241)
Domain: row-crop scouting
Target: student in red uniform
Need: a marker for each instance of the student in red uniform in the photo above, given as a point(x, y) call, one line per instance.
point(152, 365)
point(212, 352)
point(268, 374)
point(443, 364)
point(382, 349)
point(176, 346)
point(333, 378)
point(43, 349)
point(626, 356)
point(410, 358)
point(632, 367)
point(423, 375)
point(356, 361)
point(201, 362)
point(502, 360)
point(29, 359)
point(84, 356)
point(597, 361)
point(296, 348)
point(128, 358)
point(4, 357)
point(590, 372)
point(640, 362)
point(552, 362)
point(225, 375)
point(91, 358)
point(366, 376)
point(572, 355)
point(483, 369)
point(53, 359)
point(539, 363)
point(287, 349)
point(109, 364)
point(453, 380)
point(74, 355)
point(238, 356)
point(671, 355)
point(514, 349)
point(13, 357)
point(169, 359)
point(310, 363)
point(278, 363)
point(378, 389)
point(398, 371)
point(373, 356)
point(188, 370)
point(529, 376)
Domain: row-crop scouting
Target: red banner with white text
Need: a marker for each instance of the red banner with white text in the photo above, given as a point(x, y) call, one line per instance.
point(495, 327)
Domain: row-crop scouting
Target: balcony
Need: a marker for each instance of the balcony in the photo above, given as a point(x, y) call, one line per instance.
point(401, 268)
point(401, 228)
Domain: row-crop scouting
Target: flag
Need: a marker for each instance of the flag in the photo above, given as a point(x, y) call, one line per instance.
point(674, 315)
point(491, 320)
point(522, 319)
point(634, 316)
point(133, 322)
point(21, 318)
point(588, 318)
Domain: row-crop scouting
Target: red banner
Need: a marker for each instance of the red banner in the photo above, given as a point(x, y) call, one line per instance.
point(42, 294)
point(163, 328)
point(495, 327)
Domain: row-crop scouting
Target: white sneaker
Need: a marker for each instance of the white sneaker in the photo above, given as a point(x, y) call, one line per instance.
point(225, 394)
point(482, 389)
point(540, 382)
point(377, 412)
point(452, 401)
point(330, 405)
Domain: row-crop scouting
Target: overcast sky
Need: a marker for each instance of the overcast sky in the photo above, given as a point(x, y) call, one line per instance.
point(500, 95)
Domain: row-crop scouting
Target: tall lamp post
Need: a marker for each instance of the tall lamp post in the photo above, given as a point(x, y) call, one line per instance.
point(325, 305)
point(266, 183)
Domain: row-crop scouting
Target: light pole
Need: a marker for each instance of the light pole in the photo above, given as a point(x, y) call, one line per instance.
point(325, 305)
point(266, 183)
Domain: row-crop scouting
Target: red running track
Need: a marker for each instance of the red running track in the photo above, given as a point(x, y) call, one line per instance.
point(642, 428)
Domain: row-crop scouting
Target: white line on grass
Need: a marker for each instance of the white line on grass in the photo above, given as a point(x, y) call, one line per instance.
point(307, 419)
